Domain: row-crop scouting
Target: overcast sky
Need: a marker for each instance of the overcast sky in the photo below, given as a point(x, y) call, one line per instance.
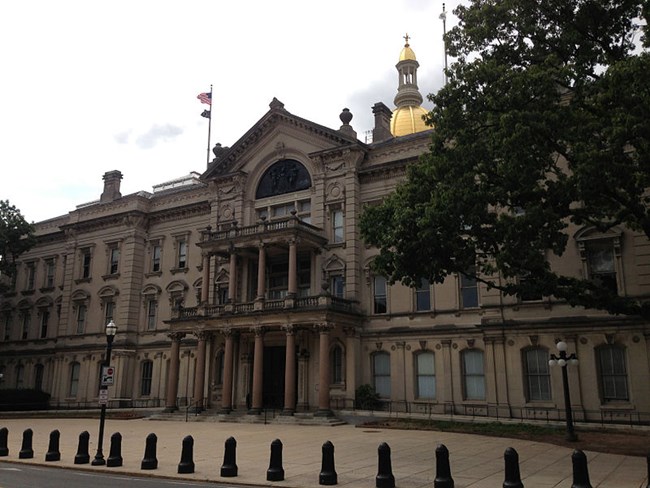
point(88, 87)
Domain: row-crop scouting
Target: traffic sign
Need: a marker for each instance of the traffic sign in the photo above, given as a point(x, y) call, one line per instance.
point(108, 376)
point(103, 397)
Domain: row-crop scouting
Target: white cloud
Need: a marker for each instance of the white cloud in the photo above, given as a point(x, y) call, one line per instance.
point(90, 87)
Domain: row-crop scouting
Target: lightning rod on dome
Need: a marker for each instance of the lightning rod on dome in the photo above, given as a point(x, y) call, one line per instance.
point(443, 17)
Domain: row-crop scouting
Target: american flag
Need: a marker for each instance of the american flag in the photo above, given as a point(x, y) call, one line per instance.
point(205, 98)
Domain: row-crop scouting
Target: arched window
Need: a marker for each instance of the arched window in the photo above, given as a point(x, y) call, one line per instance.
point(536, 374)
point(75, 369)
point(425, 371)
point(285, 176)
point(146, 374)
point(612, 373)
point(381, 373)
point(336, 363)
point(473, 375)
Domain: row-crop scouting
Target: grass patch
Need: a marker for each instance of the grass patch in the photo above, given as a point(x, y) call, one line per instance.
point(495, 429)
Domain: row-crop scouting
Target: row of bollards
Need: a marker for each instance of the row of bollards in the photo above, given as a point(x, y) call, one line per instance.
point(275, 472)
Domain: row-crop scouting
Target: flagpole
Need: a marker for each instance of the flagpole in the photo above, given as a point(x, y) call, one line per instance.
point(209, 128)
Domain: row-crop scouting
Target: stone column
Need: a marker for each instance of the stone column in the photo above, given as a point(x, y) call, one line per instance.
point(324, 371)
point(232, 278)
point(205, 286)
point(290, 372)
point(352, 355)
point(261, 273)
point(448, 387)
point(226, 393)
point(258, 371)
point(293, 268)
point(199, 373)
point(174, 363)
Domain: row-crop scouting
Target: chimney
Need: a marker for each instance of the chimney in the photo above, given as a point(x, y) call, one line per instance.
point(111, 186)
point(383, 114)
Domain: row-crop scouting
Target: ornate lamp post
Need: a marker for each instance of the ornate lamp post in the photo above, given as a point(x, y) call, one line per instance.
point(111, 330)
point(562, 360)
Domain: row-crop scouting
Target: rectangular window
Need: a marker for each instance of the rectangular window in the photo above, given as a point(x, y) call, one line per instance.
point(145, 378)
point(528, 294)
point(468, 291)
point(426, 376)
point(49, 273)
point(114, 261)
point(381, 374)
point(337, 226)
point(75, 369)
point(20, 376)
point(336, 362)
point(538, 380)
point(109, 308)
point(155, 258)
point(86, 261)
point(182, 254)
point(337, 284)
point(45, 318)
point(31, 275)
point(152, 305)
point(379, 295)
point(81, 319)
point(27, 318)
point(423, 296)
point(7, 324)
point(38, 377)
point(613, 373)
point(473, 375)
point(602, 268)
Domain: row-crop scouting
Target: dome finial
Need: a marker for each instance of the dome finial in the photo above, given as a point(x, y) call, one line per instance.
point(406, 38)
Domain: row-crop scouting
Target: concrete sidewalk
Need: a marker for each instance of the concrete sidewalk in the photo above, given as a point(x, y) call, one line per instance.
point(476, 461)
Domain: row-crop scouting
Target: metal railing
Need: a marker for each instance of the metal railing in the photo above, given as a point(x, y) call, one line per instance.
point(401, 408)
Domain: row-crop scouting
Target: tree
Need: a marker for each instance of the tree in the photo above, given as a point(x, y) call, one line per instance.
point(16, 237)
point(542, 127)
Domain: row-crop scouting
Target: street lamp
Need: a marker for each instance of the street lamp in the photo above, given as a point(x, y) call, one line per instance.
point(111, 330)
point(562, 361)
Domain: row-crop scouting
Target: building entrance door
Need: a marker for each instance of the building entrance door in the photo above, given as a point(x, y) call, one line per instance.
point(273, 381)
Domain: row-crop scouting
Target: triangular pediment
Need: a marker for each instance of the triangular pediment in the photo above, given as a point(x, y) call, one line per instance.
point(278, 134)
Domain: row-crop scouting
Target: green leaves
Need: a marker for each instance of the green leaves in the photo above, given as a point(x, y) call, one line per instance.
point(16, 237)
point(542, 126)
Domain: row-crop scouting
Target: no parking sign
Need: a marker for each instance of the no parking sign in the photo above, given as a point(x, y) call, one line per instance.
point(108, 375)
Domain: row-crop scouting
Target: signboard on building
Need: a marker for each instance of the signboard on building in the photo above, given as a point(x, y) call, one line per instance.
point(108, 376)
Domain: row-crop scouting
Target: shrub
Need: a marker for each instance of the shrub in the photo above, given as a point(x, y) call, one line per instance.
point(367, 398)
point(23, 399)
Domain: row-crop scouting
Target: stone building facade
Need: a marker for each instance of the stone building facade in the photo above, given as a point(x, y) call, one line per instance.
point(248, 287)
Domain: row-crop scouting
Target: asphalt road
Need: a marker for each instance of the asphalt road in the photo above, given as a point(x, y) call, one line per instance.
point(29, 476)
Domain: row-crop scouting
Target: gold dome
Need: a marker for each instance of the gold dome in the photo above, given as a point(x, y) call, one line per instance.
point(407, 53)
point(408, 120)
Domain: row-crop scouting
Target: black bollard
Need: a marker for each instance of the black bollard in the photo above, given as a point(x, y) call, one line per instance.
point(229, 466)
point(82, 456)
point(187, 456)
point(580, 471)
point(150, 461)
point(513, 478)
point(53, 453)
point(275, 471)
point(4, 435)
point(328, 474)
point(26, 451)
point(115, 456)
point(384, 478)
point(443, 469)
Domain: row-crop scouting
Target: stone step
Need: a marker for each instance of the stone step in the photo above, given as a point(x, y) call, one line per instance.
point(302, 418)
